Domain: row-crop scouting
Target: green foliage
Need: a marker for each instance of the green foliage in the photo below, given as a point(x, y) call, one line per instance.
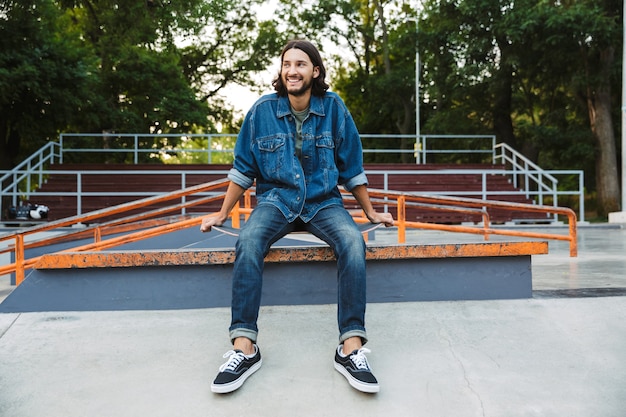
point(532, 72)
point(527, 71)
point(110, 66)
point(44, 77)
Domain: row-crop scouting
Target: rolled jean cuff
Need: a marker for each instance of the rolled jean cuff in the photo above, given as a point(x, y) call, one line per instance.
point(353, 333)
point(243, 332)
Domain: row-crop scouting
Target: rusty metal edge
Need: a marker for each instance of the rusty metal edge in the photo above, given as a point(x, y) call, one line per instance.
point(117, 259)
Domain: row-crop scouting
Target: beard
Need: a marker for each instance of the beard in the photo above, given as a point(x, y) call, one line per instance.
point(297, 92)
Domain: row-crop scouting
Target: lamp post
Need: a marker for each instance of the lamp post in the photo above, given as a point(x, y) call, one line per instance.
point(417, 89)
point(624, 110)
point(624, 115)
point(620, 216)
point(417, 93)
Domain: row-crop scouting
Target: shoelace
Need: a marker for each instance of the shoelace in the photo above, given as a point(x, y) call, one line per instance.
point(234, 359)
point(360, 360)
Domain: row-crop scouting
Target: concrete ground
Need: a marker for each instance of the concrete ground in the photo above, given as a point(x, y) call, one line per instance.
point(561, 353)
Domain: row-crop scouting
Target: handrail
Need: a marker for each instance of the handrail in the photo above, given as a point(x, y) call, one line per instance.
point(32, 165)
point(530, 171)
point(484, 193)
point(485, 231)
point(533, 176)
point(380, 197)
point(20, 264)
point(420, 148)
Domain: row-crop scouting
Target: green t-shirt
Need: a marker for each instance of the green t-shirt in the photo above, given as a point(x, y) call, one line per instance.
point(299, 116)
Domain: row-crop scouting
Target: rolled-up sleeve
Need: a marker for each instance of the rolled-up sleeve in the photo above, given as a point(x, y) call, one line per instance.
point(349, 154)
point(240, 179)
point(360, 179)
point(243, 172)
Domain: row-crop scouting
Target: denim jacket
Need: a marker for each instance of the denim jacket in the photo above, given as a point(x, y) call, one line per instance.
point(332, 155)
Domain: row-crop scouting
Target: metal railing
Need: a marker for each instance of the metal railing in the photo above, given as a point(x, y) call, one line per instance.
point(80, 194)
point(137, 147)
point(152, 222)
point(21, 183)
point(484, 193)
point(29, 174)
point(535, 182)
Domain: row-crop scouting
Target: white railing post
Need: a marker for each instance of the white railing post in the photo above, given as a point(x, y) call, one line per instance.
point(79, 193)
point(136, 157)
point(581, 196)
point(209, 148)
point(183, 185)
point(484, 184)
point(61, 141)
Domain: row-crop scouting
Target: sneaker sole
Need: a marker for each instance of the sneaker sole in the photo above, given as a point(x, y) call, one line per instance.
point(355, 383)
point(233, 386)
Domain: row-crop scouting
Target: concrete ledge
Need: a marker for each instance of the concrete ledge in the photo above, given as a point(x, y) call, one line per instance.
point(186, 279)
point(128, 258)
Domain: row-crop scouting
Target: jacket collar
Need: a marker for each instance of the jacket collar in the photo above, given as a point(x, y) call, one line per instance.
point(316, 106)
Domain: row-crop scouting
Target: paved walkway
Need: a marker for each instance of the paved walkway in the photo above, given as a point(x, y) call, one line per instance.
point(562, 353)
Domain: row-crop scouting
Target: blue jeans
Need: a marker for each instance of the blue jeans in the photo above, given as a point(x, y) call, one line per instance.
point(265, 226)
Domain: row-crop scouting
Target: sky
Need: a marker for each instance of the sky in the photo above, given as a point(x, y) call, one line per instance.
point(242, 98)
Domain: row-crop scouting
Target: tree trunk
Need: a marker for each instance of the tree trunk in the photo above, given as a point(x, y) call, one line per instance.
point(9, 145)
point(503, 98)
point(599, 106)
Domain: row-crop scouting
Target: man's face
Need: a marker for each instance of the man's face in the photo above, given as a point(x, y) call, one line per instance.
point(298, 72)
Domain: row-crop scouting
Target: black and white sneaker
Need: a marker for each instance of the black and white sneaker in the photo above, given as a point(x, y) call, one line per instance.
point(356, 369)
point(234, 372)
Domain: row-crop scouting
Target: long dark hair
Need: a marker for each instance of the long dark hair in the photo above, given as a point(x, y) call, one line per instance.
point(319, 86)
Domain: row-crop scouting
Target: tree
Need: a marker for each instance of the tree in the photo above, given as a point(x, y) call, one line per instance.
point(229, 46)
point(108, 66)
point(527, 71)
point(140, 83)
point(44, 77)
point(597, 41)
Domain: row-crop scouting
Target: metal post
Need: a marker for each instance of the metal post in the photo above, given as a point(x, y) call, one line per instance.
point(418, 147)
point(623, 208)
point(183, 185)
point(19, 259)
point(79, 194)
point(417, 98)
point(136, 156)
point(620, 217)
point(417, 85)
point(61, 148)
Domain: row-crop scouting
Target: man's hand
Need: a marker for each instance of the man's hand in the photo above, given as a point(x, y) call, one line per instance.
point(233, 194)
point(211, 221)
point(385, 218)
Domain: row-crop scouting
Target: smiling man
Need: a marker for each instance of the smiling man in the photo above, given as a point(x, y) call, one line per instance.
point(299, 144)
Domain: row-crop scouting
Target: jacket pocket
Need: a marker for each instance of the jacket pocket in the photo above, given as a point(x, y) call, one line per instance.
point(325, 147)
point(272, 156)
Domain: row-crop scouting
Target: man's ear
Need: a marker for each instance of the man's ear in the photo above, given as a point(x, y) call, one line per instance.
point(316, 72)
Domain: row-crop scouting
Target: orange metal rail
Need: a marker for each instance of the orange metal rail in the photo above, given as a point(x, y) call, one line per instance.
point(147, 224)
point(19, 247)
point(455, 202)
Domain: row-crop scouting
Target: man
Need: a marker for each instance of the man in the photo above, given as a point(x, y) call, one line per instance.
point(299, 144)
